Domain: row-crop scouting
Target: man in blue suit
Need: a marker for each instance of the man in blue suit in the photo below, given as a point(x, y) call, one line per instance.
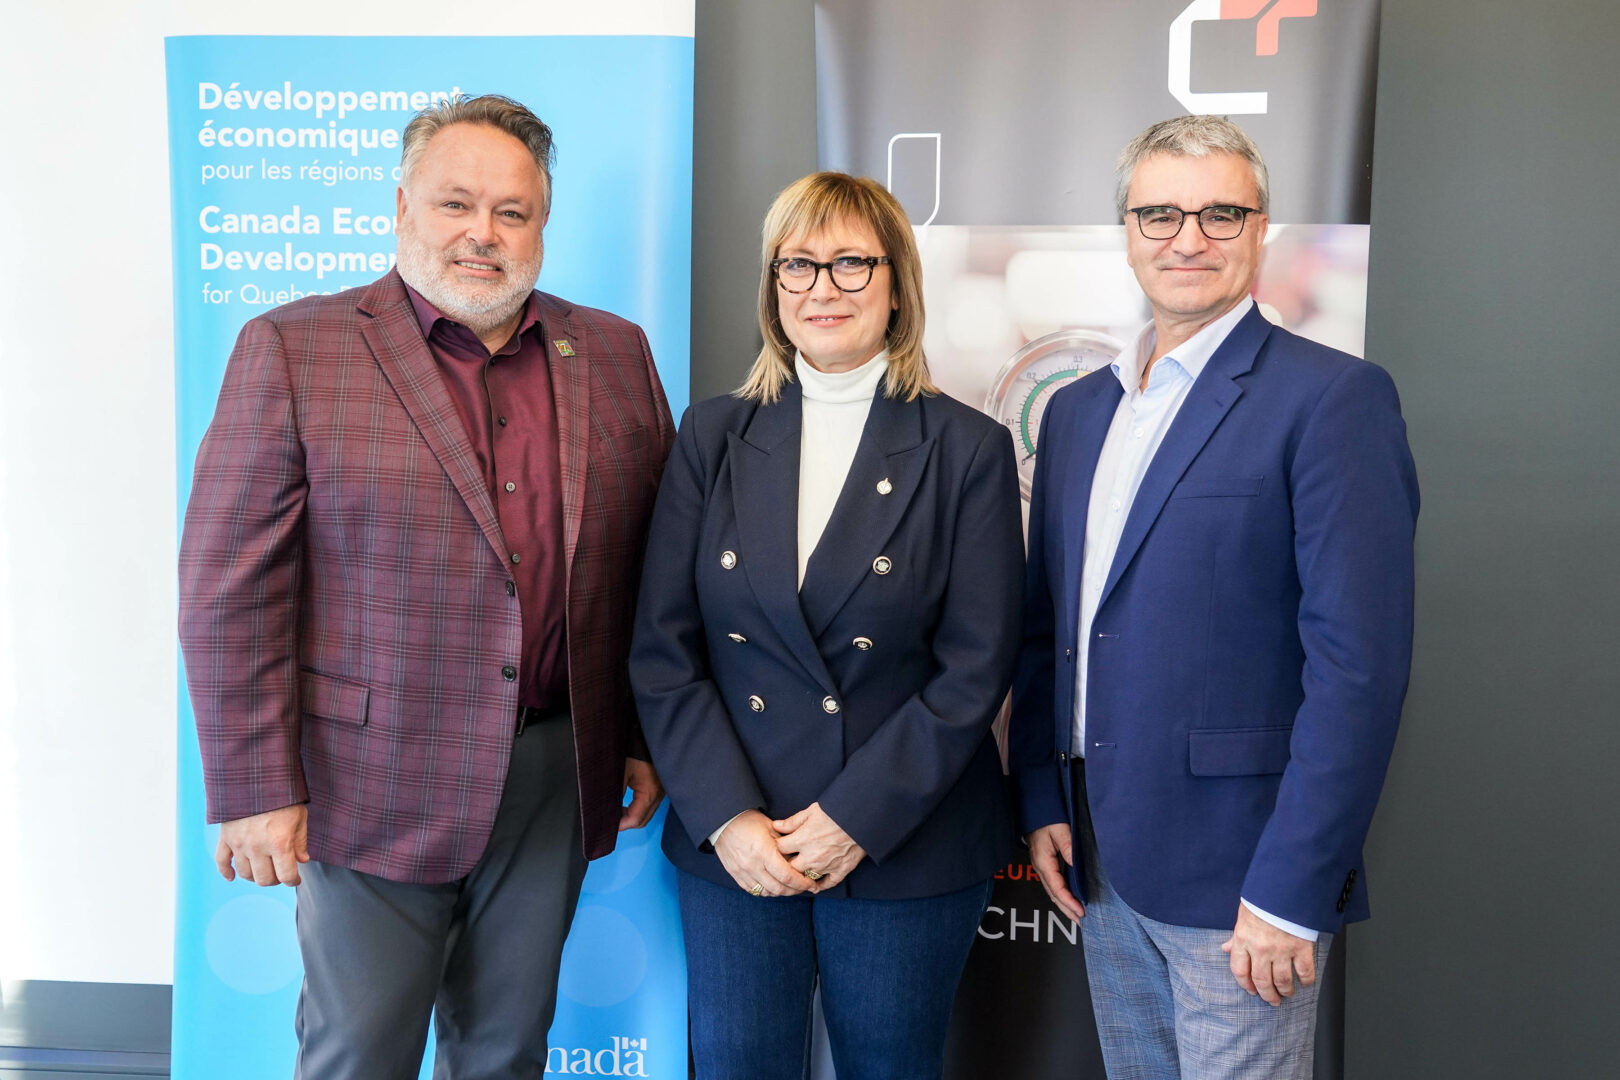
point(1217, 638)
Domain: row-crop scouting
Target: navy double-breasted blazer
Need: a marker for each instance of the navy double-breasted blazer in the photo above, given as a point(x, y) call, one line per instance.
point(871, 689)
point(1252, 642)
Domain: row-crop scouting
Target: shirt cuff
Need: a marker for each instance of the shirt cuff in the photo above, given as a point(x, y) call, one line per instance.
point(714, 837)
point(1282, 924)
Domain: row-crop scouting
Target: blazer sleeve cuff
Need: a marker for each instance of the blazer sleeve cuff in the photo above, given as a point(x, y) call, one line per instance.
point(636, 745)
point(261, 799)
point(1041, 799)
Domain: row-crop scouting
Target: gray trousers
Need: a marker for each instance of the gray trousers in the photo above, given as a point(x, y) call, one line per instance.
point(1166, 1004)
point(480, 955)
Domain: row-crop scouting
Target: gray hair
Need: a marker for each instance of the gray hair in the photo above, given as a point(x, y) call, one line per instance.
point(1191, 136)
point(490, 110)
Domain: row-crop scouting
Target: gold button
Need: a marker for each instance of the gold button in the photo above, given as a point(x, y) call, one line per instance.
point(882, 565)
point(884, 487)
point(738, 638)
point(728, 560)
point(863, 643)
point(756, 703)
point(829, 705)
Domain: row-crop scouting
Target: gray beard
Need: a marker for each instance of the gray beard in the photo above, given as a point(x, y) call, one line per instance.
point(480, 310)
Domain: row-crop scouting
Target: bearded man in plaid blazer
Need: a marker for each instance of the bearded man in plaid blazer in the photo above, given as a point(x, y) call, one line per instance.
point(407, 577)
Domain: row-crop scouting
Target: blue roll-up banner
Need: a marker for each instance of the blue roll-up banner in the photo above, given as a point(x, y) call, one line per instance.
point(284, 155)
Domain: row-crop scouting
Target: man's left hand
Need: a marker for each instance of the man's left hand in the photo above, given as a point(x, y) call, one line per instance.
point(641, 778)
point(1264, 958)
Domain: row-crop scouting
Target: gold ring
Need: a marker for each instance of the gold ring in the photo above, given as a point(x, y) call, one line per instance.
point(813, 875)
point(757, 890)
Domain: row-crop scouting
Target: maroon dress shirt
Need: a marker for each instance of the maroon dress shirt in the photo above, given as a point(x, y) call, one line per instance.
point(507, 405)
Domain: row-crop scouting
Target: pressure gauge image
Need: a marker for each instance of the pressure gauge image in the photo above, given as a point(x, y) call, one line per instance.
point(1022, 388)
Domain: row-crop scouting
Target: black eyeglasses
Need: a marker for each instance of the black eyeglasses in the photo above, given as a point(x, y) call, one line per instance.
point(1218, 222)
point(849, 273)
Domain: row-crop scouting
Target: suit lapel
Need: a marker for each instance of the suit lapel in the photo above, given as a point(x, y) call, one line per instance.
point(571, 394)
point(394, 336)
point(764, 463)
point(1088, 430)
point(892, 449)
point(1213, 394)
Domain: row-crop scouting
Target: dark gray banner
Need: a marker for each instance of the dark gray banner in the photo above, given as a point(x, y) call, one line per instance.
point(1012, 113)
point(997, 126)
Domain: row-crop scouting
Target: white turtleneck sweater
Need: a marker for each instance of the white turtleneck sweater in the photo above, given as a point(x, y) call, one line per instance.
point(835, 409)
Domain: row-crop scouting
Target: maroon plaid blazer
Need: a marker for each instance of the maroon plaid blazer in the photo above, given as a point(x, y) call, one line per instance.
point(344, 610)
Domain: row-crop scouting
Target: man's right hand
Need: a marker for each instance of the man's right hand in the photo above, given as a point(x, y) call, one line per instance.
point(265, 848)
point(1047, 846)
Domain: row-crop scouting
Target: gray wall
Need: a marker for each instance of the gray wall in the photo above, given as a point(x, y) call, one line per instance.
point(1492, 300)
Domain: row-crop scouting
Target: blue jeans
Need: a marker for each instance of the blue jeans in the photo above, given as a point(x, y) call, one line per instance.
point(888, 971)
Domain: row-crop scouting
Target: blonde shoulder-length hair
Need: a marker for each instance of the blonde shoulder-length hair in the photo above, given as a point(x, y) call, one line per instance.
point(809, 206)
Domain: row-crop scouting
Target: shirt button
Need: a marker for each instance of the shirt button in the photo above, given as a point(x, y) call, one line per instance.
point(756, 703)
point(1137, 433)
point(511, 588)
point(511, 486)
point(515, 557)
point(828, 705)
point(1115, 504)
point(501, 420)
point(509, 673)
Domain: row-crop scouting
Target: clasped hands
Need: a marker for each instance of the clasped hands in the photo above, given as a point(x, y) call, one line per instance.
point(776, 858)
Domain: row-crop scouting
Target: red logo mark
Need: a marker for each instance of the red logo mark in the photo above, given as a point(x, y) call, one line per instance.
point(1272, 13)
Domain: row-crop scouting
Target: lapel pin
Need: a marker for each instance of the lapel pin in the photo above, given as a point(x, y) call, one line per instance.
point(563, 348)
point(884, 487)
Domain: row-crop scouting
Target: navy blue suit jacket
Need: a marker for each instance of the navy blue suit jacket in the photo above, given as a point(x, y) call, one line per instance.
point(907, 764)
point(1252, 641)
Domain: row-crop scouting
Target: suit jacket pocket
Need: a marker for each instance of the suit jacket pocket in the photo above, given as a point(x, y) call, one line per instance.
point(1216, 487)
point(1238, 751)
point(331, 698)
point(619, 441)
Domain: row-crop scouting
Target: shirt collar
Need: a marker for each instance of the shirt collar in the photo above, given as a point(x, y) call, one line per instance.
point(428, 316)
point(1191, 355)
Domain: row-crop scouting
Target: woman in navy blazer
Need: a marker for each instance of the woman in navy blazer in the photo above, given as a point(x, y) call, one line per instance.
point(828, 622)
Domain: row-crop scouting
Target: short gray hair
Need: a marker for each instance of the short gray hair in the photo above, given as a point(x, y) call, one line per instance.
point(490, 110)
point(1191, 136)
